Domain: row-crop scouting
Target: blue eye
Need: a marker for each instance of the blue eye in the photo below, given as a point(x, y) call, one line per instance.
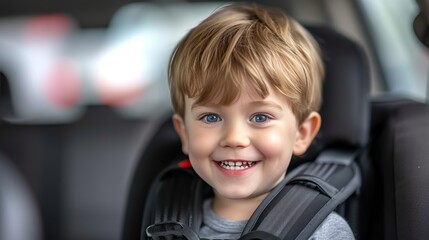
point(259, 118)
point(211, 118)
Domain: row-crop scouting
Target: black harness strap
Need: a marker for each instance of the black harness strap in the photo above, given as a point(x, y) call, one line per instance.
point(174, 204)
point(297, 206)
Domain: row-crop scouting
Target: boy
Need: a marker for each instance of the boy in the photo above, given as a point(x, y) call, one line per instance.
point(246, 86)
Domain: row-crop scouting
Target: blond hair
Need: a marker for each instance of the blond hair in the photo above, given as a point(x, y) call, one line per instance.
point(247, 45)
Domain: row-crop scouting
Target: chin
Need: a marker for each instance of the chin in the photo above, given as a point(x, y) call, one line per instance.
point(236, 194)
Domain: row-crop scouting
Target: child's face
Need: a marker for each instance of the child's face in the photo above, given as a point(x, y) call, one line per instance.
point(243, 149)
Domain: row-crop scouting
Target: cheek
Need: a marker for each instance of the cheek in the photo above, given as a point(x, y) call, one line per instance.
point(277, 143)
point(201, 144)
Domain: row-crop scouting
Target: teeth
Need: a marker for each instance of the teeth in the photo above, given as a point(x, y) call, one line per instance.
point(230, 165)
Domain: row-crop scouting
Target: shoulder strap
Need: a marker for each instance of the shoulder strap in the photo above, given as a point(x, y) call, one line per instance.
point(310, 192)
point(174, 205)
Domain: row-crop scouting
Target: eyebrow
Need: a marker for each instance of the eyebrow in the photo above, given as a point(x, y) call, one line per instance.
point(196, 105)
point(267, 103)
point(253, 104)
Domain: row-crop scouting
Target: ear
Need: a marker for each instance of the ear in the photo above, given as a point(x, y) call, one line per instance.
point(307, 130)
point(179, 125)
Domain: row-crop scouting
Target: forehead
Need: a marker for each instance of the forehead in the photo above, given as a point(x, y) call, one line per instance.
point(246, 94)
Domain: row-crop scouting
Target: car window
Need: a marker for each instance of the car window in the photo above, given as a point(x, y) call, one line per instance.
point(403, 59)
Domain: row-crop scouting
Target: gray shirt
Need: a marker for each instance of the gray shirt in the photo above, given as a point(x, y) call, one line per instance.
point(215, 227)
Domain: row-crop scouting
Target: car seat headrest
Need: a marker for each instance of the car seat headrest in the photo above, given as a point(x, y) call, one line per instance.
point(345, 108)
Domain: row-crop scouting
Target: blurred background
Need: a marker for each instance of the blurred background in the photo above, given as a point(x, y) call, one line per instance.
point(81, 83)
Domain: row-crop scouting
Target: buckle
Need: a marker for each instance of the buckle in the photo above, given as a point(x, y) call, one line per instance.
point(177, 229)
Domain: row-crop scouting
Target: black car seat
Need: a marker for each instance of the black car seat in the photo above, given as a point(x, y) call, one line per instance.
point(19, 213)
point(345, 115)
point(400, 149)
point(20, 217)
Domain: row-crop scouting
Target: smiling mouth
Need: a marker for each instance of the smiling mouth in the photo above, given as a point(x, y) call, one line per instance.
point(236, 165)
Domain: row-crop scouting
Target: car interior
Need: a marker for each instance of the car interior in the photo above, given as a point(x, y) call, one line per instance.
point(346, 92)
point(86, 117)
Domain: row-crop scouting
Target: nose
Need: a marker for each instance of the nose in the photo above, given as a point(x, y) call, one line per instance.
point(235, 136)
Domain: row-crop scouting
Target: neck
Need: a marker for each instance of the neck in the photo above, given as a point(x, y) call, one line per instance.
point(236, 209)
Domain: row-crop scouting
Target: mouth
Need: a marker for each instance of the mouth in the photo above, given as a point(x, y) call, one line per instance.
point(236, 165)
